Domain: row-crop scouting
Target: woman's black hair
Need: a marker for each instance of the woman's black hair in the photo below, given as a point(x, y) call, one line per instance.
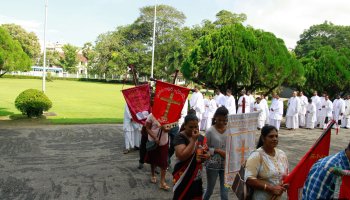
point(349, 146)
point(221, 111)
point(264, 132)
point(190, 117)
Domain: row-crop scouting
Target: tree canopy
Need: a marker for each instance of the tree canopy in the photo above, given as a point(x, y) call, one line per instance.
point(70, 60)
point(28, 41)
point(12, 57)
point(324, 50)
point(237, 57)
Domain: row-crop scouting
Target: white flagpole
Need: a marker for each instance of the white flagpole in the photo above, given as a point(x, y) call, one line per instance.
point(154, 37)
point(44, 66)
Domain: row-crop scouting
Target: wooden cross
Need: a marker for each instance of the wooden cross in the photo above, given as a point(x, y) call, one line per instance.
point(169, 101)
point(242, 150)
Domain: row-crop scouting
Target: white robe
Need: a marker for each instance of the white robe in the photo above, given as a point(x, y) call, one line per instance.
point(183, 113)
point(230, 104)
point(326, 111)
point(197, 103)
point(320, 118)
point(251, 101)
point(211, 111)
point(347, 113)
point(317, 102)
point(310, 115)
point(263, 103)
point(240, 104)
point(203, 125)
point(258, 107)
point(128, 129)
point(338, 109)
point(220, 100)
point(292, 113)
point(302, 112)
point(276, 113)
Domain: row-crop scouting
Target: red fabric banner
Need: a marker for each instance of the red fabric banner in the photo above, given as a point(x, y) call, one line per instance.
point(345, 188)
point(297, 177)
point(168, 102)
point(138, 100)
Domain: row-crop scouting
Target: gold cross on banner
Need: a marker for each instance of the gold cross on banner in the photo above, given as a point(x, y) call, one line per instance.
point(170, 101)
point(242, 150)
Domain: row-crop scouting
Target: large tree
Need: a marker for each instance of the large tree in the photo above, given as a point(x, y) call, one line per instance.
point(12, 57)
point(237, 57)
point(324, 50)
point(69, 60)
point(326, 34)
point(28, 40)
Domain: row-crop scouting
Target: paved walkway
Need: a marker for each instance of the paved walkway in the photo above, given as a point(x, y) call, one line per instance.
point(86, 162)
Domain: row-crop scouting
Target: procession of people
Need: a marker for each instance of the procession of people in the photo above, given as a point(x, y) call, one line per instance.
point(208, 114)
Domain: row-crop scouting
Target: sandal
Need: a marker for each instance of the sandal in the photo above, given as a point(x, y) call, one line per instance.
point(164, 187)
point(154, 179)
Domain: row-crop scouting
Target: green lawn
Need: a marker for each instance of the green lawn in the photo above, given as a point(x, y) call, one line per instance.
point(73, 101)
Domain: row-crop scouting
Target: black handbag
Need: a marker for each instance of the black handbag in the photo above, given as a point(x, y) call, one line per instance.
point(240, 187)
point(242, 190)
point(152, 145)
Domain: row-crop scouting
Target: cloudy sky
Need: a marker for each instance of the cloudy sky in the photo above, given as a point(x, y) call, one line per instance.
point(80, 21)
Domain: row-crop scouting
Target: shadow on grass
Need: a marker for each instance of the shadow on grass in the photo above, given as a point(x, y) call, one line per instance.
point(4, 112)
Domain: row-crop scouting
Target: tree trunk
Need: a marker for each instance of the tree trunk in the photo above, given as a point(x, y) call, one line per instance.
point(3, 74)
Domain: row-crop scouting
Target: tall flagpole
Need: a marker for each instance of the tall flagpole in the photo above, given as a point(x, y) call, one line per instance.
point(44, 67)
point(154, 37)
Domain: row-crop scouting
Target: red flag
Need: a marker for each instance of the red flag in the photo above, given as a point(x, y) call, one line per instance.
point(168, 102)
point(345, 188)
point(138, 100)
point(297, 177)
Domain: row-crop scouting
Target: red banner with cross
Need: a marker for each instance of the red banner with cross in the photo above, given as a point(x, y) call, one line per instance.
point(168, 102)
point(138, 100)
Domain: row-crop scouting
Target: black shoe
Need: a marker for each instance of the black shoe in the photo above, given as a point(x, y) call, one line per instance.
point(136, 148)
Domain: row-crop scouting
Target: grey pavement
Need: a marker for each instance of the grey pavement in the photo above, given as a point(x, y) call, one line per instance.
point(87, 162)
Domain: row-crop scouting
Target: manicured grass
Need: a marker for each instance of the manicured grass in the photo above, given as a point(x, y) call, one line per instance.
point(73, 101)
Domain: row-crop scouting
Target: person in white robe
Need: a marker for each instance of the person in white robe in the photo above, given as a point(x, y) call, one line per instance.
point(204, 120)
point(326, 112)
point(338, 110)
point(211, 111)
point(310, 115)
point(219, 98)
point(347, 112)
point(317, 102)
point(264, 104)
point(197, 104)
point(251, 101)
point(258, 107)
point(243, 100)
point(320, 118)
point(293, 109)
point(128, 129)
point(302, 112)
point(276, 111)
point(230, 102)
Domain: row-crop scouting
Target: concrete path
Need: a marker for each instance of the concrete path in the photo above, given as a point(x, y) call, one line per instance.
point(86, 162)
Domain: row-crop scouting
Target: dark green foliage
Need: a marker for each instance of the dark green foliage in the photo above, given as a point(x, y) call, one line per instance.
point(32, 103)
point(237, 57)
point(12, 57)
point(324, 50)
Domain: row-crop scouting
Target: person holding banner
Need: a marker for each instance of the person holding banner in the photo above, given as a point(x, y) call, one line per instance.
point(267, 166)
point(216, 139)
point(159, 156)
point(190, 152)
point(320, 183)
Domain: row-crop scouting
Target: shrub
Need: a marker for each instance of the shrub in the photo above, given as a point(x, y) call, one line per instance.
point(32, 103)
